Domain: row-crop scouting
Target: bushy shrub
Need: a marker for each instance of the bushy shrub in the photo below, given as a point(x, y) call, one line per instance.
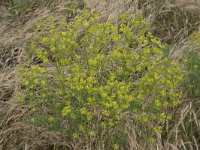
point(103, 75)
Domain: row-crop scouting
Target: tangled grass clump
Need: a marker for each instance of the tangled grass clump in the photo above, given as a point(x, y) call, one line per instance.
point(104, 75)
point(192, 65)
point(20, 8)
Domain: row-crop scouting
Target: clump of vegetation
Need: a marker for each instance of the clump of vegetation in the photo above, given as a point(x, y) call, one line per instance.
point(105, 75)
point(187, 125)
point(193, 82)
point(23, 7)
point(193, 67)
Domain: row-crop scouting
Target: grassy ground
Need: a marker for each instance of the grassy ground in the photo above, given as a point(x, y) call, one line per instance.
point(173, 22)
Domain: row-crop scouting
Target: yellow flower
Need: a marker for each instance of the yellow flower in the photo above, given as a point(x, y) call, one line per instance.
point(163, 93)
point(66, 111)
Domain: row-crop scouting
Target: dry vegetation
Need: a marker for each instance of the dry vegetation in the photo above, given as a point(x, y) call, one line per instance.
point(172, 21)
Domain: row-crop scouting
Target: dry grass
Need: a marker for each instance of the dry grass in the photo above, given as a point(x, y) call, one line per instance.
point(172, 22)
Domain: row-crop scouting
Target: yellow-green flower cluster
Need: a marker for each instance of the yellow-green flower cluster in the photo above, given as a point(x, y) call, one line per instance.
point(115, 70)
point(35, 81)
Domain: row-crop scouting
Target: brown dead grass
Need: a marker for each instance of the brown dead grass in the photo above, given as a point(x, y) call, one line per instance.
point(15, 33)
point(172, 21)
